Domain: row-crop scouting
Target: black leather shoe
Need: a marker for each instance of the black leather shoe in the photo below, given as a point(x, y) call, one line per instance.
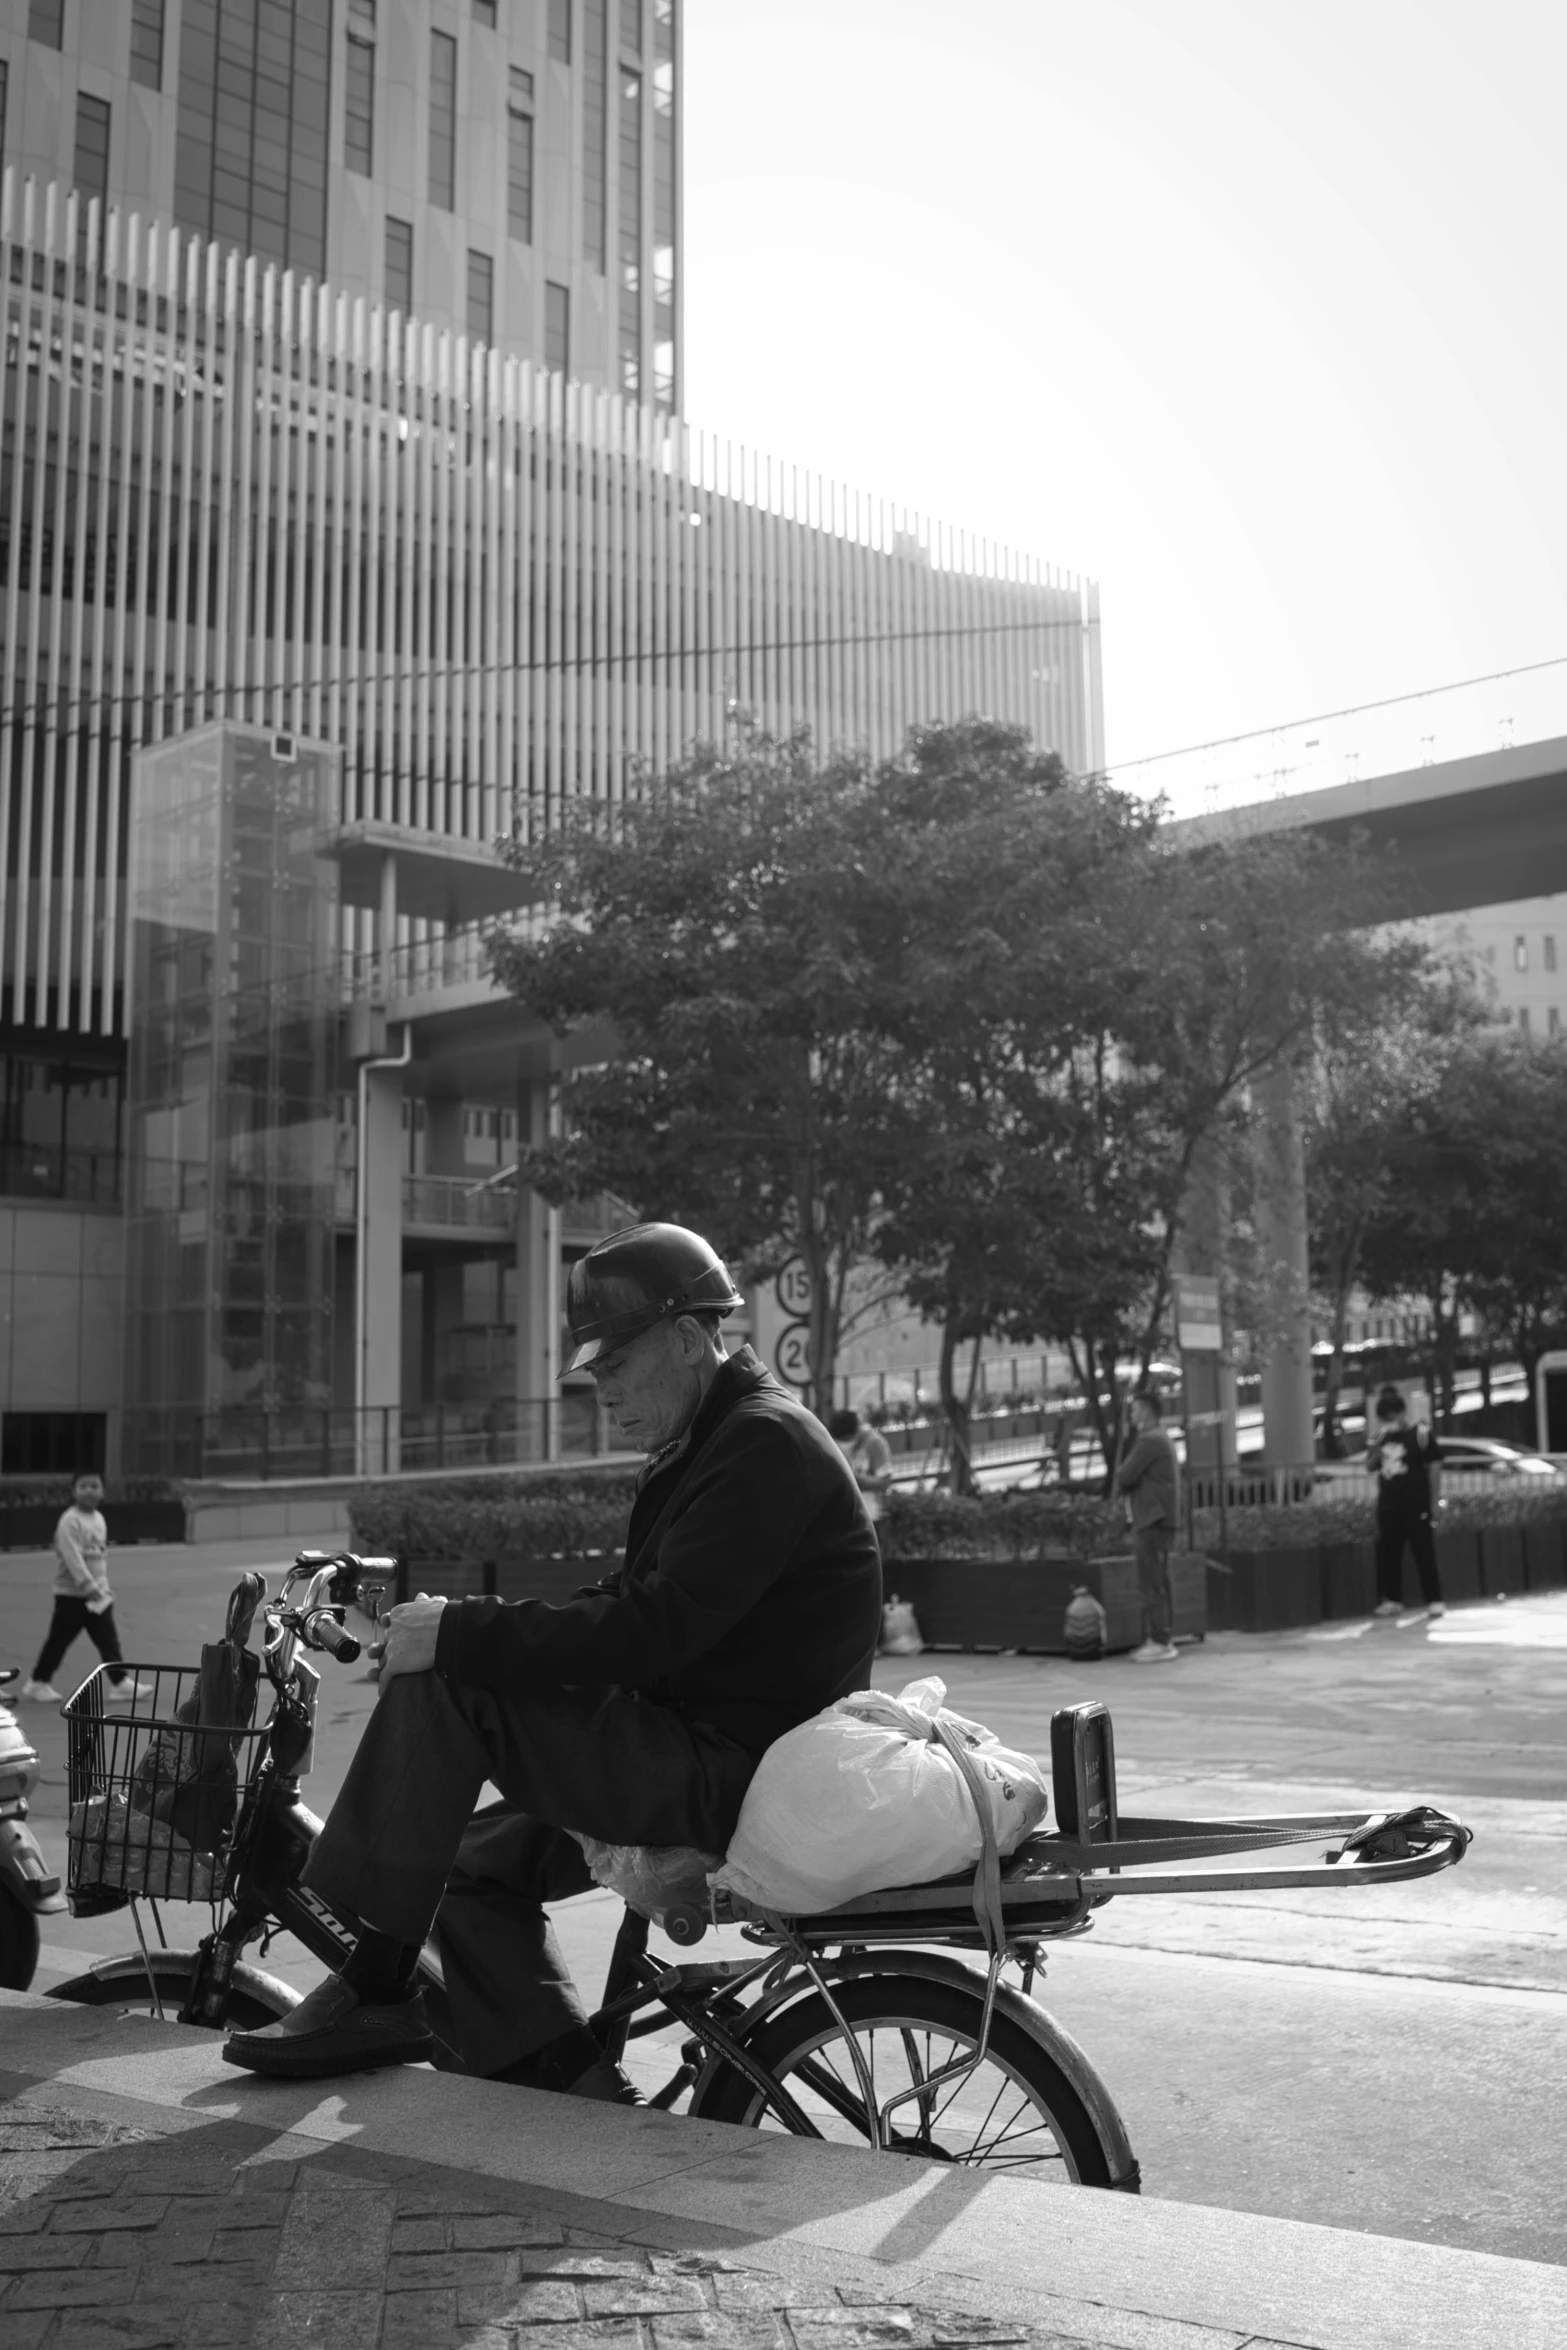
point(332, 2031)
point(606, 2084)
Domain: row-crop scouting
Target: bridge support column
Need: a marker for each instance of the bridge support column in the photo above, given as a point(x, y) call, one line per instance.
point(1281, 1220)
point(378, 1370)
point(538, 1289)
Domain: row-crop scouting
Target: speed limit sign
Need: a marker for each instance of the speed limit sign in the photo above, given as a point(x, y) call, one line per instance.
point(793, 1287)
point(792, 1354)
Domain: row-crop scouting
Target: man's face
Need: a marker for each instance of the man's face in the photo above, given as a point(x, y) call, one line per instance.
point(651, 1386)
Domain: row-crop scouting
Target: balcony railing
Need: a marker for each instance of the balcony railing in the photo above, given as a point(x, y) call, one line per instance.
point(389, 1440)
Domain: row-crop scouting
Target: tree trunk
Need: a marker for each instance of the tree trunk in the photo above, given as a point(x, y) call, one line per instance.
point(954, 1411)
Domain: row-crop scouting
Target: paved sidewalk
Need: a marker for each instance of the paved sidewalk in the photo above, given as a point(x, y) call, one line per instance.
point(150, 2198)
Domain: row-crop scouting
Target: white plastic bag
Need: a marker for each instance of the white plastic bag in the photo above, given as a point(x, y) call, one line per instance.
point(861, 1797)
point(900, 1631)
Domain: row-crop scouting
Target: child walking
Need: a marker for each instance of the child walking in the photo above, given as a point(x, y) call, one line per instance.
point(83, 1601)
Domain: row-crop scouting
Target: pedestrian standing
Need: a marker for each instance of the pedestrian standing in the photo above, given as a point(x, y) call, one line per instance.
point(868, 1454)
point(1150, 1481)
point(1403, 1459)
point(83, 1601)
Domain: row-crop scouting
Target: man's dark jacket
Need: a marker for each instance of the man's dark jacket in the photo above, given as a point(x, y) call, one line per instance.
point(751, 1593)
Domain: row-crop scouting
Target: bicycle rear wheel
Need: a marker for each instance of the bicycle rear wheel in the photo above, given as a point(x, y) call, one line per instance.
point(255, 1999)
point(1016, 2111)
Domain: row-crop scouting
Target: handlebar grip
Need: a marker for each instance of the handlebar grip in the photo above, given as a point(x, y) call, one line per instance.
point(327, 1633)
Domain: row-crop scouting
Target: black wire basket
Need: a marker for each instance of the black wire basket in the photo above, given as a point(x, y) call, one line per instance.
point(154, 1791)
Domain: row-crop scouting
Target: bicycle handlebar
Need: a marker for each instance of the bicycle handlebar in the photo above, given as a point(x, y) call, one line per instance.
point(324, 1631)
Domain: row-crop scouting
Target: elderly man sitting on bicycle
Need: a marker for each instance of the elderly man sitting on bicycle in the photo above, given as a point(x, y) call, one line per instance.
point(635, 1713)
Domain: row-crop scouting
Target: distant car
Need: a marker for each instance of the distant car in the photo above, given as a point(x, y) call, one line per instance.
point(1489, 1456)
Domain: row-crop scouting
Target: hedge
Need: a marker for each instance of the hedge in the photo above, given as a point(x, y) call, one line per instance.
point(1001, 1525)
point(556, 1515)
point(1352, 1517)
point(571, 1514)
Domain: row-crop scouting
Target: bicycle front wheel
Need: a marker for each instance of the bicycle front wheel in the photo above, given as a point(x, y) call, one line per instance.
point(1014, 2111)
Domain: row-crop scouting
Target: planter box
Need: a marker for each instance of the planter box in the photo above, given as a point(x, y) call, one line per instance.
point(1502, 1556)
point(1460, 1564)
point(1545, 1555)
point(1265, 1590)
point(1349, 1579)
point(1021, 1603)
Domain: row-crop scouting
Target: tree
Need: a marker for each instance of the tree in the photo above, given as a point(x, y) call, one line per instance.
point(1376, 1068)
point(721, 924)
point(1516, 1251)
point(1230, 957)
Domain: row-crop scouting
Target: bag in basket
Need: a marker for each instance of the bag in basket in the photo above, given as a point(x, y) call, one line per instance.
point(189, 1777)
point(863, 1797)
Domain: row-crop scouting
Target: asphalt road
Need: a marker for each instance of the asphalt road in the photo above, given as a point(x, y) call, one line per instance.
point(1386, 2060)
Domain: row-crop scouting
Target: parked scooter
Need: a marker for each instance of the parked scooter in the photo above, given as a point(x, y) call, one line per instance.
point(27, 1891)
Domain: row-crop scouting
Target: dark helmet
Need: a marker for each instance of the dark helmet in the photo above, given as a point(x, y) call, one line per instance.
point(642, 1275)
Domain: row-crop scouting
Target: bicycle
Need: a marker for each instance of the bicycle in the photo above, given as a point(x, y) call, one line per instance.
point(863, 2025)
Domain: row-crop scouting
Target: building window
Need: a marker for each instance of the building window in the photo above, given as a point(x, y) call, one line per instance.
point(481, 296)
point(631, 27)
point(560, 29)
point(4, 86)
point(557, 328)
point(1553, 1021)
point(1550, 954)
point(250, 155)
point(400, 264)
point(484, 13)
point(147, 43)
point(519, 156)
point(46, 22)
point(359, 106)
point(59, 1127)
point(1520, 954)
point(443, 121)
point(630, 275)
point(1523, 1018)
point(92, 147)
point(595, 134)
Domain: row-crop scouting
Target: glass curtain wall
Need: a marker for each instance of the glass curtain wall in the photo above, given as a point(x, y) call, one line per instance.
point(231, 1109)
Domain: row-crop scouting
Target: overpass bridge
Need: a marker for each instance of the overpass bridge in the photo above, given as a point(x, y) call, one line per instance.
point(1447, 838)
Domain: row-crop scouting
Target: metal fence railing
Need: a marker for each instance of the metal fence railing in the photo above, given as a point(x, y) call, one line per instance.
point(383, 1440)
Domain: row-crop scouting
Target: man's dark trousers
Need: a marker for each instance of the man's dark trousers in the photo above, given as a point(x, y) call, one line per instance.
point(403, 1842)
point(1151, 1546)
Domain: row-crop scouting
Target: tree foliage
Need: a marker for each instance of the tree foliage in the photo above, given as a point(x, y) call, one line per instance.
point(963, 1014)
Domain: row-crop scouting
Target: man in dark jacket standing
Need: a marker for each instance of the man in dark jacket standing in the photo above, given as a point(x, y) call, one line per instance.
point(1150, 1480)
point(636, 1713)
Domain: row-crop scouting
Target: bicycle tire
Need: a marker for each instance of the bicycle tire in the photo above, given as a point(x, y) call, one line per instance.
point(949, 2017)
point(255, 1999)
point(19, 1942)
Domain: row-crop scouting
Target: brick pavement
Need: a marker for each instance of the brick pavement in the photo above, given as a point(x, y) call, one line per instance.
point(116, 2237)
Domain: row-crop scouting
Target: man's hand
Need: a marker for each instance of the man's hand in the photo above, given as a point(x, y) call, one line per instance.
point(406, 1641)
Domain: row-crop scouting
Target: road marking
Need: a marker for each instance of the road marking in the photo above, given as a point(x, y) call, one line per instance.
point(1341, 1631)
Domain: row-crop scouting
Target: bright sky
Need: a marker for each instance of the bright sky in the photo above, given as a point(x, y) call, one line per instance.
point(1252, 310)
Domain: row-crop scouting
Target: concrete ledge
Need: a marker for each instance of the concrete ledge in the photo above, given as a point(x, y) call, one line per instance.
point(1114, 2269)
